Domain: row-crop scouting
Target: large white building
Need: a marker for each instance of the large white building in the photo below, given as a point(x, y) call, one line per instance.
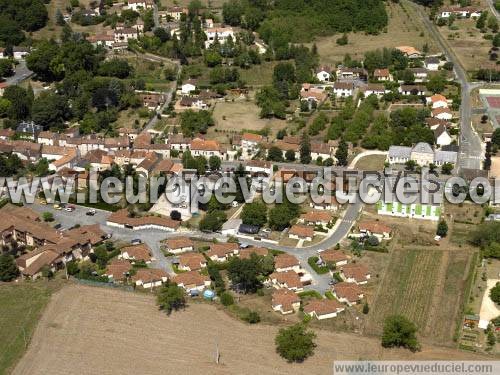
point(222, 34)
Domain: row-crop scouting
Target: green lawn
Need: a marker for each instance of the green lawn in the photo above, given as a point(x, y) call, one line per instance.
point(21, 306)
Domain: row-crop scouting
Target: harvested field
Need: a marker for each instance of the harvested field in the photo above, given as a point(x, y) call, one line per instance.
point(116, 332)
point(405, 28)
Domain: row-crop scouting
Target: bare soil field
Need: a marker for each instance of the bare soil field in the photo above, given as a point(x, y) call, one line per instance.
point(405, 28)
point(85, 329)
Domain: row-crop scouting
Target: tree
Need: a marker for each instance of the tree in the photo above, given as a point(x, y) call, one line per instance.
point(495, 293)
point(21, 102)
point(436, 84)
point(213, 221)
point(446, 168)
point(171, 297)
point(175, 215)
point(281, 215)
point(244, 273)
point(366, 308)
point(275, 154)
point(305, 149)
point(400, 332)
point(289, 155)
point(195, 122)
point(252, 317)
point(442, 228)
point(342, 153)
point(481, 21)
point(118, 68)
point(6, 68)
point(410, 165)
point(48, 216)
point(226, 299)
point(50, 110)
point(343, 40)
point(214, 162)
point(254, 213)
point(295, 343)
point(8, 268)
point(493, 23)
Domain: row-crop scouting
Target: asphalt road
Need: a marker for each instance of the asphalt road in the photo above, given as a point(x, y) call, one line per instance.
point(471, 152)
point(22, 73)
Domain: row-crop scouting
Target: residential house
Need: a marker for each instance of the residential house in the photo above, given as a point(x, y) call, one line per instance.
point(6, 134)
point(374, 89)
point(382, 75)
point(247, 253)
point(193, 102)
point(320, 150)
point(192, 262)
point(344, 72)
point(285, 301)
point(323, 309)
point(437, 101)
point(149, 278)
point(138, 5)
point(192, 280)
point(301, 232)
point(410, 52)
point(355, 273)
point(312, 94)
point(136, 253)
point(348, 293)
point(206, 148)
point(343, 89)
point(121, 219)
point(125, 34)
point(178, 142)
point(432, 64)
point(442, 114)
point(250, 141)
point(151, 100)
point(316, 218)
point(420, 74)
point(175, 13)
point(422, 154)
point(188, 87)
point(118, 270)
point(20, 53)
point(3, 86)
point(443, 138)
point(221, 252)
point(333, 257)
point(412, 90)
point(375, 228)
point(222, 34)
point(179, 245)
point(289, 280)
point(323, 73)
point(28, 130)
point(103, 40)
point(286, 262)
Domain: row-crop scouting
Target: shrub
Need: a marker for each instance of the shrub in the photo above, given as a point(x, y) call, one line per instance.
point(226, 299)
point(252, 317)
point(295, 343)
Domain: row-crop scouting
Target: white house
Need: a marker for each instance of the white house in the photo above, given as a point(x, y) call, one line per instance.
point(207, 148)
point(178, 245)
point(149, 277)
point(192, 280)
point(125, 34)
point(138, 5)
point(323, 73)
point(323, 309)
point(343, 89)
point(437, 101)
point(222, 34)
point(442, 136)
point(187, 87)
point(432, 64)
point(20, 52)
point(442, 114)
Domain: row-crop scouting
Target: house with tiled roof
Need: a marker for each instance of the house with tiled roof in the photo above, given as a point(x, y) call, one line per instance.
point(442, 113)
point(250, 141)
point(382, 75)
point(288, 279)
point(343, 89)
point(355, 273)
point(179, 245)
point(192, 280)
point(118, 270)
point(316, 218)
point(285, 301)
point(140, 253)
point(301, 232)
point(375, 228)
point(348, 293)
point(286, 262)
point(221, 252)
point(323, 308)
point(149, 277)
point(323, 73)
point(247, 253)
point(334, 257)
point(206, 148)
point(192, 262)
point(122, 219)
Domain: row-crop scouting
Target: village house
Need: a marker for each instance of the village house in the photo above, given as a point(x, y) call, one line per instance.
point(312, 94)
point(374, 89)
point(138, 5)
point(125, 34)
point(410, 52)
point(355, 273)
point(193, 102)
point(285, 301)
point(206, 148)
point(316, 218)
point(221, 34)
point(149, 277)
point(118, 270)
point(443, 138)
point(459, 12)
point(102, 40)
point(343, 89)
point(221, 252)
point(301, 232)
point(382, 75)
point(442, 114)
point(323, 73)
point(20, 53)
point(247, 253)
point(344, 72)
point(28, 130)
point(420, 74)
point(121, 219)
point(27, 150)
point(320, 150)
point(348, 293)
point(286, 262)
point(131, 133)
point(192, 262)
point(333, 257)
point(151, 100)
point(2, 53)
point(192, 280)
point(188, 87)
point(375, 228)
point(412, 90)
point(250, 141)
point(136, 253)
point(175, 13)
point(289, 280)
point(432, 64)
point(437, 101)
point(323, 309)
point(179, 245)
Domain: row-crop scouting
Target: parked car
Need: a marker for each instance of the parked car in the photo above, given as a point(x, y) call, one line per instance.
point(90, 212)
point(57, 207)
point(136, 241)
point(108, 236)
point(70, 208)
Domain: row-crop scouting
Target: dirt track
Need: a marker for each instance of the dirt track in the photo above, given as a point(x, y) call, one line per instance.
point(93, 330)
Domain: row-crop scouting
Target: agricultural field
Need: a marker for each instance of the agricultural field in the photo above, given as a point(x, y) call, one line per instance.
point(122, 332)
point(21, 308)
point(426, 286)
point(371, 163)
point(405, 28)
point(258, 75)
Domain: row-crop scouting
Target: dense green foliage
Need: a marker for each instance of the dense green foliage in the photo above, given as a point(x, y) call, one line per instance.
point(8, 268)
point(195, 122)
point(19, 15)
point(295, 343)
point(254, 213)
point(400, 332)
point(171, 297)
point(495, 293)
